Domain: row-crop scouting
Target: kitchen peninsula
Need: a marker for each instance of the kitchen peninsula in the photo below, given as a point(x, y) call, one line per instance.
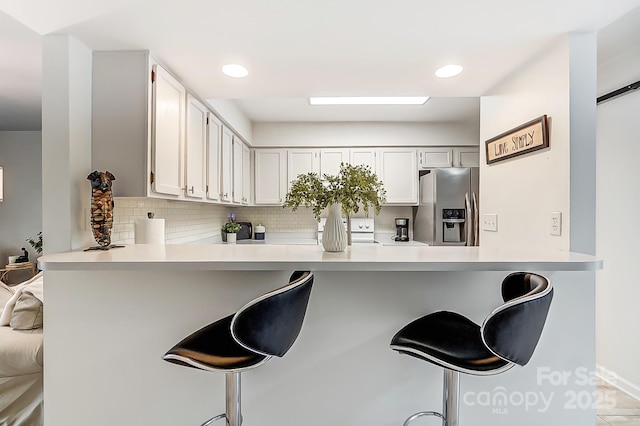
point(111, 315)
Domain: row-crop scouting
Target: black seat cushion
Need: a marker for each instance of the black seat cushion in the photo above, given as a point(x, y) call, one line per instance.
point(450, 338)
point(212, 346)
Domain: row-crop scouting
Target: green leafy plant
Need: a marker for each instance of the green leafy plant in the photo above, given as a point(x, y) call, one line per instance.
point(231, 227)
point(353, 188)
point(36, 243)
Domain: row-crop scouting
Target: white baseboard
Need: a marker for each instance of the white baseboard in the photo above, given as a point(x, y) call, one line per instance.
point(614, 379)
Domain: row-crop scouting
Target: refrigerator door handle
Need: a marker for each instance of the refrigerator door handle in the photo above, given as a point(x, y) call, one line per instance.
point(469, 227)
point(476, 220)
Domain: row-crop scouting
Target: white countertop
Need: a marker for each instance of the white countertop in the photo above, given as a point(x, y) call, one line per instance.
point(374, 257)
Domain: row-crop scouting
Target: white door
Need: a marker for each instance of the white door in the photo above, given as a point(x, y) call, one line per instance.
point(214, 131)
point(246, 174)
point(330, 160)
point(270, 176)
point(302, 161)
point(399, 175)
point(237, 169)
point(195, 149)
point(167, 132)
point(363, 157)
point(226, 164)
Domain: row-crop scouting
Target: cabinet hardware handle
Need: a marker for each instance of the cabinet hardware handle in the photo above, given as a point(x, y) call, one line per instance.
point(191, 190)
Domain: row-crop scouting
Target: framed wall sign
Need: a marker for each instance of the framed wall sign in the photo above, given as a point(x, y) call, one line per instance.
point(529, 137)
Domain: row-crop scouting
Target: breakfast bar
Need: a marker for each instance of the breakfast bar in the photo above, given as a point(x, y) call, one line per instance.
point(111, 315)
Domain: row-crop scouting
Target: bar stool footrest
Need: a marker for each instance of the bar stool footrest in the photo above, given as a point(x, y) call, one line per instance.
point(213, 419)
point(422, 414)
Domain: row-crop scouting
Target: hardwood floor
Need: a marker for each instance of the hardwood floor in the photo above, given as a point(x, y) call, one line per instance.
point(615, 407)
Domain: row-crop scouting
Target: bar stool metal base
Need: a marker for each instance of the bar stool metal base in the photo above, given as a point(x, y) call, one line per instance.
point(450, 396)
point(232, 414)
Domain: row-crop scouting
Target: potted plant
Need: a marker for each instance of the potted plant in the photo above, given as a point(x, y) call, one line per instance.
point(353, 188)
point(231, 229)
point(36, 243)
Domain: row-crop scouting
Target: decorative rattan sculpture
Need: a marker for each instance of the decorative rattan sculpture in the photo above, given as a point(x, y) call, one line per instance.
point(101, 209)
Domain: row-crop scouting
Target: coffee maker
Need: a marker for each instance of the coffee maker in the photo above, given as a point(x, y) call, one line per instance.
point(402, 229)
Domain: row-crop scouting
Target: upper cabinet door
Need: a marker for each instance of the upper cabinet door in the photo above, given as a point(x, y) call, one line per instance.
point(302, 161)
point(399, 175)
point(364, 157)
point(195, 149)
point(466, 157)
point(237, 170)
point(330, 160)
point(226, 164)
point(435, 157)
point(167, 127)
point(270, 176)
point(246, 174)
point(214, 131)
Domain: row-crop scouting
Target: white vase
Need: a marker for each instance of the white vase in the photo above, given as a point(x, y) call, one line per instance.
point(334, 236)
point(231, 238)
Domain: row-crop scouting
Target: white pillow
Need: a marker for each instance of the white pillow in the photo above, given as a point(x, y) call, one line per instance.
point(34, 286)
point(5, 294)
point(27, 313)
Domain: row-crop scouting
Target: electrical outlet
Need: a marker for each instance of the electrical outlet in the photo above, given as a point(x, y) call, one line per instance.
point(490, 222)
point(556, 223)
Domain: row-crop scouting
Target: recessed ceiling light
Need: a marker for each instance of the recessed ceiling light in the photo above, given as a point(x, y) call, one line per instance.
point(368, 100)
point(235, 70)
point(450, 70)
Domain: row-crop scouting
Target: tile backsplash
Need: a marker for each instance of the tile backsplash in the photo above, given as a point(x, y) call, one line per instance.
point(186, 222)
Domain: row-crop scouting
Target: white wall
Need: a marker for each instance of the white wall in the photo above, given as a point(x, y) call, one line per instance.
point(335, 134)
point(618, 202)
point(229, 112)
point(523, 190)
point(21, 210)
point(66, 142)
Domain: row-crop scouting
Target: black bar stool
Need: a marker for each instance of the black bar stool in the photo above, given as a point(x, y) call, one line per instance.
point(508, 336)
point(265, 327)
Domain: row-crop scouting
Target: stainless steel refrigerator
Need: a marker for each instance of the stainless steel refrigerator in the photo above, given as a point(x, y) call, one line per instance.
point(448, 210)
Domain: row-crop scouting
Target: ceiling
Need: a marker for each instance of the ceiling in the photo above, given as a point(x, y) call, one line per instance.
point(297, 48)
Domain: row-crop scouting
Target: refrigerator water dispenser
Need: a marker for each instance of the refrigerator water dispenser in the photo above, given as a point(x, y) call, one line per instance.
point(453, 223)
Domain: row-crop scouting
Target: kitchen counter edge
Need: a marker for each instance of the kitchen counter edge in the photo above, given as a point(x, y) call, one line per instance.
point(355, 258)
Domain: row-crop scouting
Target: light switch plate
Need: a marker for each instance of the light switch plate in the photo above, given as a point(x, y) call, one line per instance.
point(490, 222)
point(556, 223)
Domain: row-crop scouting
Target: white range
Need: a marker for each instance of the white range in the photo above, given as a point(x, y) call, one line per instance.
point(362, 230)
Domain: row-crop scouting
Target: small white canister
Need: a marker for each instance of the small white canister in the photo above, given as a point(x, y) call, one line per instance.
point(12, 259)
point(259, 232)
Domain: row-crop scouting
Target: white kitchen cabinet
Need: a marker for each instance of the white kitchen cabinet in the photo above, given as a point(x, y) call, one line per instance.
point(364, 157)
point(466, 156)
point(167, 132)
point(330, 160)
point(448, 157)
point(195, 149)
point(226, 165)
point(214, 142)
point(270, 174)
point(435, 157)
point(246, 174)
point(237, 170)
point(398, 172)
point(137, 125)
point(302, 161)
